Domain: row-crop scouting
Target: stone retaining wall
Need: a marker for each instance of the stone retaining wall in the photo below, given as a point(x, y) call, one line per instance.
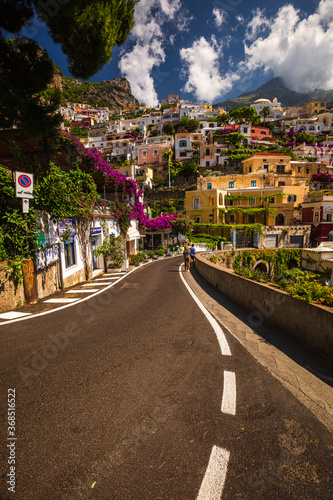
point(10, 297)
point(310, 324)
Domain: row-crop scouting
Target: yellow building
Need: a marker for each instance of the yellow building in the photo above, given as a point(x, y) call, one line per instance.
point(313, 107)
point(203, 206)
point(267, 162)
point(247, 205)
point(208, 106)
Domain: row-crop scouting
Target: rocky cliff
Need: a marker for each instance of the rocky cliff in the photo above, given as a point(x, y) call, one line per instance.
point(115, 93)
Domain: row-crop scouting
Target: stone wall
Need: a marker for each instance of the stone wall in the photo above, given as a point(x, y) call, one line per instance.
point(10, 297)
point(74, 278)
point(48, 280)
point(310, 324)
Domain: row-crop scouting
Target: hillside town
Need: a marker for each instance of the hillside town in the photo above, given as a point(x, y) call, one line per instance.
point(258, 176)
point(166, 249)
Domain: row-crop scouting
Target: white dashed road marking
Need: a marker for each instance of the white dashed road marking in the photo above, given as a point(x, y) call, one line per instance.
point(87, 290)
point(229, 393)
point(214, 479)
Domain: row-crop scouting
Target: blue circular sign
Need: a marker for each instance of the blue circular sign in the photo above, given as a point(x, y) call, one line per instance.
point(24, 181)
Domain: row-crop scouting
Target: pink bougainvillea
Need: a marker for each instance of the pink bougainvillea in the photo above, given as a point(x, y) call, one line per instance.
point(122, 183)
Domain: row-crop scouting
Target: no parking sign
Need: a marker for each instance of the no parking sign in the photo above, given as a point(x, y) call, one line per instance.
point(24, 185)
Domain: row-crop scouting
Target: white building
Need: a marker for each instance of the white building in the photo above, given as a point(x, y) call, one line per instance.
point(275, 108)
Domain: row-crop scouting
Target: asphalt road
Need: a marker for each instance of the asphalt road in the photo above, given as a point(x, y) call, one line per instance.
point(125, 396)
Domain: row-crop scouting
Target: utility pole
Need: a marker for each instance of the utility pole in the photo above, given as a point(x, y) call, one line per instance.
point(169, 171)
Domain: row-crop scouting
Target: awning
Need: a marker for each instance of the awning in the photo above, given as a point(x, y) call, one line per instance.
point(133, 234)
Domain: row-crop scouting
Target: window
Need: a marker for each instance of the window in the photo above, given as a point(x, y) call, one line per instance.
point(207, 163)
point(211, 201)
point(207, 152)
point(252, 201)
point(250, 169)
point(218, 150)
point(299, 170)
point(155, 152)
point(231, 184)
point(144, 153)
point(196, 203)
point(231, 218)
point(183, 154)
point(183, 144)
point(220, 199)
point(245, 130)
point(329, 217)
point(197, 220)
point(266, 166)
point(292, 197)
point(209, 185)
point(281, 183)
point(253, 183)
point(69, 251)
point(251, 219)
point(272, 199)
point(280, 169)
point(307, 170)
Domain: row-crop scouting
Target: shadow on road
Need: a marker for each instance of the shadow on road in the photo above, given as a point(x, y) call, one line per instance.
point(300, 354)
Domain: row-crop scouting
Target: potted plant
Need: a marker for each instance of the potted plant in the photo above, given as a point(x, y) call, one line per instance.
point(113, 251)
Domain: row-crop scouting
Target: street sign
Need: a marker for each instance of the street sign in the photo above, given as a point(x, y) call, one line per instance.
point(25, 206)
point(24, 185)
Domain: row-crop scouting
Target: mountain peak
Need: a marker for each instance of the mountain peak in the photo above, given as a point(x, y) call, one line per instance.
point(275, 88)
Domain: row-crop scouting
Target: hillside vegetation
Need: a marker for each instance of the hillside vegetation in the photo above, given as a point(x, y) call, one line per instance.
point(115, 93)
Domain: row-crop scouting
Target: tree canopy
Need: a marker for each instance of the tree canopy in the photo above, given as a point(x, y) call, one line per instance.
point(245, 114)
point(87, 30)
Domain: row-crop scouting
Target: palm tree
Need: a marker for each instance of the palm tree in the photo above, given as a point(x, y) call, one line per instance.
point(264, 113)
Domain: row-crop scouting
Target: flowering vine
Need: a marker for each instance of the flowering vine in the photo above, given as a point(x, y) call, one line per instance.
point(127, 186)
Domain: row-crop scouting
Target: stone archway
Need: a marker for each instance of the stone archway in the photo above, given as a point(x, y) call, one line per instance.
point(280, 219)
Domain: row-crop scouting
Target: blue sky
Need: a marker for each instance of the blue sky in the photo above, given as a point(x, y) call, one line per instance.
point(210, 50)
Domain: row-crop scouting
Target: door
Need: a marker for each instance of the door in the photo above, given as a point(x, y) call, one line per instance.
point(271, 240)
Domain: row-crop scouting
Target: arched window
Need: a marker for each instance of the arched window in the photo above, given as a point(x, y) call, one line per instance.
point(207, 152)
point(280, 220)
point(220, 199)
point(183, 144)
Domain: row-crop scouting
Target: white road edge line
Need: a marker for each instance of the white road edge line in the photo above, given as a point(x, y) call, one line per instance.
point(229, 393)
point(214, 478)
point(216, 327)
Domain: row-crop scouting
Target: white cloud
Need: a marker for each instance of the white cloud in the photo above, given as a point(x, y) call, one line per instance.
point(148, 53)
point(220, 17)
point(202, 70)
point(299, 50)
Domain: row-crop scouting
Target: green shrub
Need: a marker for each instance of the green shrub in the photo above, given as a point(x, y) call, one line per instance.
point(134, 260)
point(142, 256)
point(151, 254)
point(160, 252)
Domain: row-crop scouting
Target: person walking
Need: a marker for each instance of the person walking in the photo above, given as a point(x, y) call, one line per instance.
point(187, 258)
point(192, 254)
